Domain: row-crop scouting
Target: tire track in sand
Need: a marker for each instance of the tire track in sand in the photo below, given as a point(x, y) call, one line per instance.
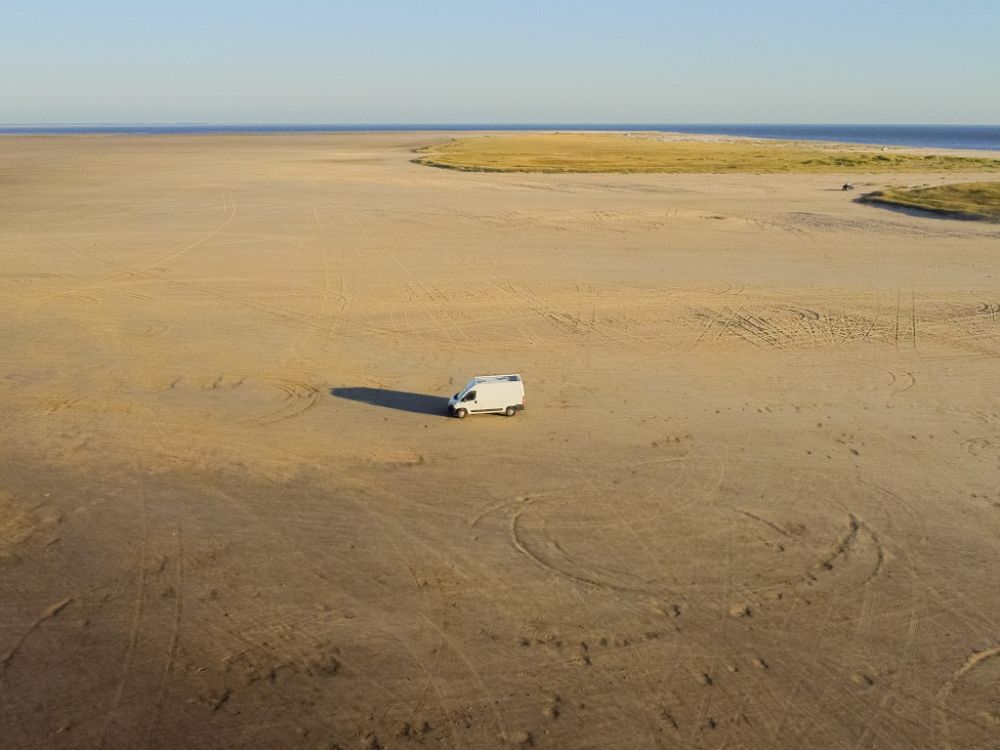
point(134, 629)
point(175, 631)
point(229, 213)
point(48, 614)
point(943, 697)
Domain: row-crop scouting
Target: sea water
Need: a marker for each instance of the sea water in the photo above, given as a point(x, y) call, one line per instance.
point(983, 137)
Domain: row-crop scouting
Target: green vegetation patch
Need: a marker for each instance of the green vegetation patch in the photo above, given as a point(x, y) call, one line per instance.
point(972, 200)
point(645, 153)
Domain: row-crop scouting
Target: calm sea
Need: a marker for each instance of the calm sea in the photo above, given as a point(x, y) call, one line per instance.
point(929, 136)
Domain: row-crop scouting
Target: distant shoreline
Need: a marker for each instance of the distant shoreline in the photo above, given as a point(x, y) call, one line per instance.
point(971, 137)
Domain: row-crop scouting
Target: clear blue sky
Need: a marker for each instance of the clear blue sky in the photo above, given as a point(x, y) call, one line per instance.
point(482, 61)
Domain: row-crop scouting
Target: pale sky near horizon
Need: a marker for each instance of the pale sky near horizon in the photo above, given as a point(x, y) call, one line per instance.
point(442, 61)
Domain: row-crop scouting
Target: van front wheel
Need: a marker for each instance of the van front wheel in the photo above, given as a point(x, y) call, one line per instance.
point(461, 413)
point(510, 411)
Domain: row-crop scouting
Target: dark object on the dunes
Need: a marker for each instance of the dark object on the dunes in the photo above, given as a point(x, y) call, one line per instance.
point(847, 186)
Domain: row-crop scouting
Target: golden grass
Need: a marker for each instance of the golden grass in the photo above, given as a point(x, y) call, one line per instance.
point(975, 200)
point(615, 152)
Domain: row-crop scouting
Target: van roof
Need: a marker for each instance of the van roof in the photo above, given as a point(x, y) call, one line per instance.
point(494, 378)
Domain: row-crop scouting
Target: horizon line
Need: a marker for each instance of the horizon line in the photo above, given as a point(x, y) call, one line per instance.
point(443, 124)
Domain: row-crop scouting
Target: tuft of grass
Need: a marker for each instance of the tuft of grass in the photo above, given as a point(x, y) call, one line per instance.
point(647, 153)
point(970, 200)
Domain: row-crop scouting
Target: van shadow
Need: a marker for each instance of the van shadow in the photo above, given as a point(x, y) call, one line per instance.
point(417, 403)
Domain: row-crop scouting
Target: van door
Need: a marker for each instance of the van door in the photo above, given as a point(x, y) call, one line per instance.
point(470, 401)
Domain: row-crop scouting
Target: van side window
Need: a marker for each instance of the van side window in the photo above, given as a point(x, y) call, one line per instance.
point(470, 396)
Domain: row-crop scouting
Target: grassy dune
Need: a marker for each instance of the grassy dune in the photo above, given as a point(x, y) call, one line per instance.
point(975, 200)
point(612, 152)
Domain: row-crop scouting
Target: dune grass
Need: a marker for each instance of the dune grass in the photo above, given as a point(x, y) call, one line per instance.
point(973, 200)
point(618, 152)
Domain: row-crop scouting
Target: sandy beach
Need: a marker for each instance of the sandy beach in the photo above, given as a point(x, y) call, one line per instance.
point(753, 502)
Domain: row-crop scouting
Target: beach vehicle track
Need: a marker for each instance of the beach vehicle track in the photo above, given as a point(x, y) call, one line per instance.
point(176, 622)
point(435, 300)
point(274, 652)
point(229, 213)
point(922, 587)
point(135, 627)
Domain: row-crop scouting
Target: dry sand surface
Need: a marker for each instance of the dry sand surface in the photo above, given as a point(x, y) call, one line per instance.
point(754, 501)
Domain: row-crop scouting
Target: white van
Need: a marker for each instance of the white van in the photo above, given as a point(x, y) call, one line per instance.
point(489, 394)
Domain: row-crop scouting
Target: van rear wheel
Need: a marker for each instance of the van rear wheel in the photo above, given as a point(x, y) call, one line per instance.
point(510, 411)
point(461, 413)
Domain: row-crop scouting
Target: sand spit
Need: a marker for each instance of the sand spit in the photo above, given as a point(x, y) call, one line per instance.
point(753, 501)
